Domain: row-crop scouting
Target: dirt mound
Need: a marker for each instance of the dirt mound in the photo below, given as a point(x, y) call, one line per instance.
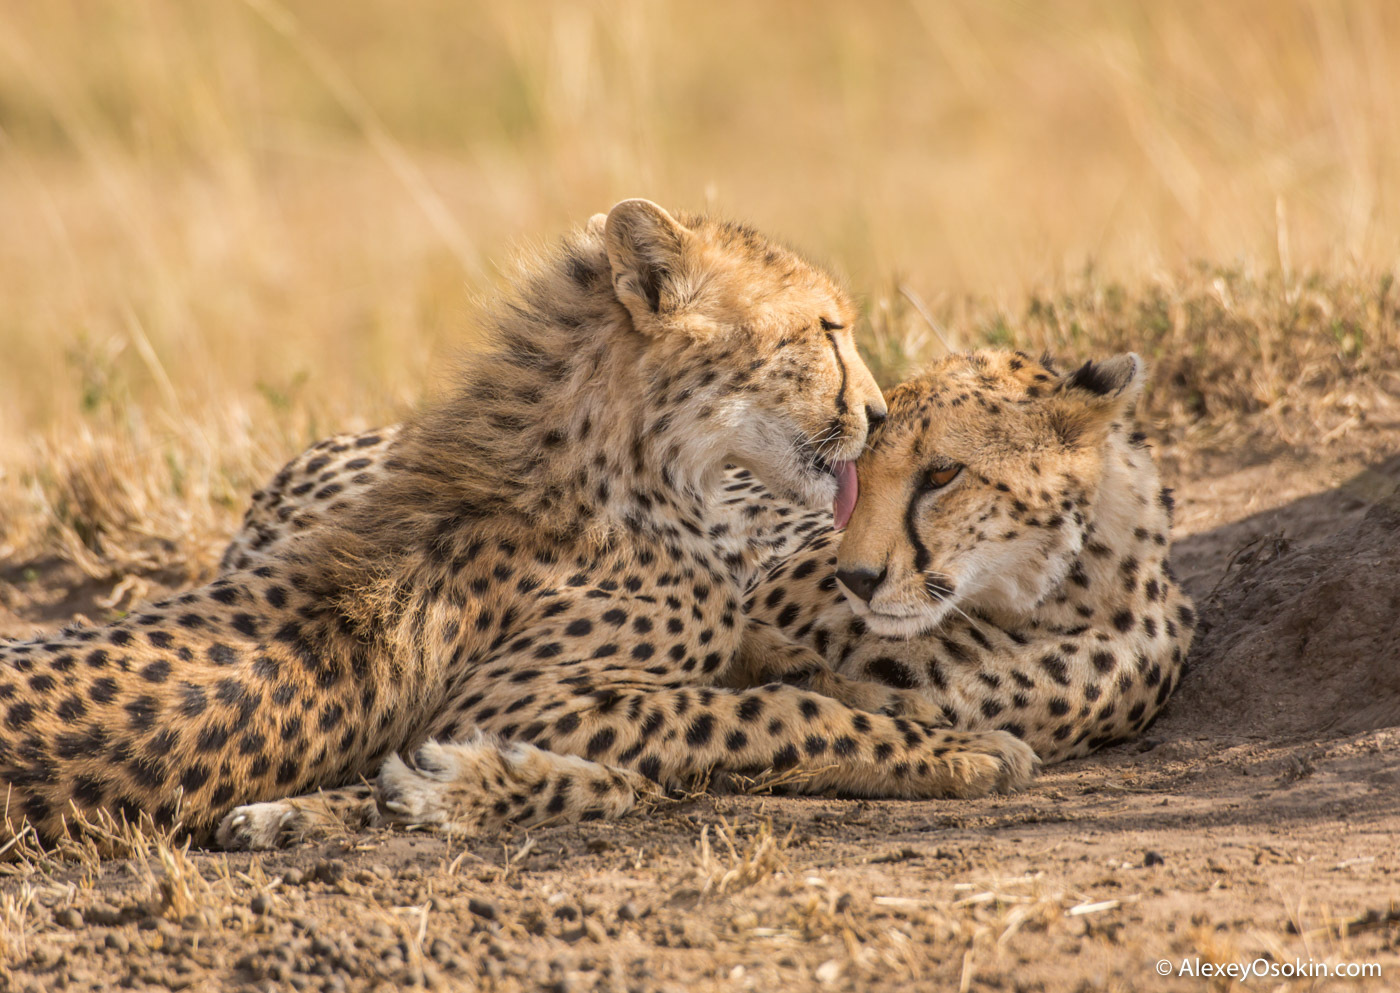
point(1301, 638)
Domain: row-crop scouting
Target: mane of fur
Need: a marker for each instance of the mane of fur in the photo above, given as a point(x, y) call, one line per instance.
point(503, 442)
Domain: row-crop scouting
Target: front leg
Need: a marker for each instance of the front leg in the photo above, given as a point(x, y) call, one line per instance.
point(767, 655)
point(673, 735)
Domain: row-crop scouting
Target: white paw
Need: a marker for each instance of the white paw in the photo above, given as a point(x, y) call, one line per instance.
point(258, 826)
point(407, 796)
point(1009, 762)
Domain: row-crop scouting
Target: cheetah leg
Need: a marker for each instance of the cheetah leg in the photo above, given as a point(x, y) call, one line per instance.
point(323, 814)
point(478, 786)
point(673, 735)
point(471, 788)
point(767, 654)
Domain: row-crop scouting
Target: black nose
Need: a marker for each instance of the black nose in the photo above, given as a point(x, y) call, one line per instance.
point(874, 416)
point(862, 582)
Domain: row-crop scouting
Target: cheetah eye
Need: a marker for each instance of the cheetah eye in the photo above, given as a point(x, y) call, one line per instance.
point(832, 325)
point(940, 476)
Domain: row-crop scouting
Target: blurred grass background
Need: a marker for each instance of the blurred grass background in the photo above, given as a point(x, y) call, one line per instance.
point(227, 227)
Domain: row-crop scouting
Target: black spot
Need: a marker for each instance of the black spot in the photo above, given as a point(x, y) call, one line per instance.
point(193, 702)
point(891, 672)
point(194, 777)
point(157, 672)
point(245, 624)
point(1056, 668)
point(142, 712)
point(600, 743)
point(700, 730)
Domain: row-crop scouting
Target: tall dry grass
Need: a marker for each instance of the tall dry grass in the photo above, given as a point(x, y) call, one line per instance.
point(228, 226)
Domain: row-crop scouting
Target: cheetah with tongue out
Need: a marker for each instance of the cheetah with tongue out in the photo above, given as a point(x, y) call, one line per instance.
point(1006, 569)
point(533, 596)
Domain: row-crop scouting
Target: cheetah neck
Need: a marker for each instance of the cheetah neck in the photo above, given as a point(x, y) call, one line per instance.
point(1127, 542)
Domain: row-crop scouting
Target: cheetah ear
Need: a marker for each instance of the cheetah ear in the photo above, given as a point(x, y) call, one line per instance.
point(1095, 395)
point(1119, 377)
point(646, 247)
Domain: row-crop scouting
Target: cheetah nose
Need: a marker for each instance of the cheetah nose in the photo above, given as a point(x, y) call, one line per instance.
point(875, 416)
point(862, 582)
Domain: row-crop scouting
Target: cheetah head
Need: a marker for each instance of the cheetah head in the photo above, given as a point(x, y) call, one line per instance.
point(978, 492)
point(754, 345)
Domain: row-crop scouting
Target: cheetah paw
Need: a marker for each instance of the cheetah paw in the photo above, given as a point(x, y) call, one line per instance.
point(259, 826)
point(914, 706)
point(418, 795)
point(991, 762)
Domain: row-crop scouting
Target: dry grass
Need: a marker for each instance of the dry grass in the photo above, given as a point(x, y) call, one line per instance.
point(232, 227)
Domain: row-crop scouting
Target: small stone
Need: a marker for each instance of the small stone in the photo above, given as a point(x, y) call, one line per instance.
point(260, 904)
point(628, 912)
point(117, 942)
point(103, 915)
point(46, 956)
point(828, 972)
point(68, 917)
point(482, 908)
point(440, 951)
point(1150, 859)
point(294, 877)
point(330, 871)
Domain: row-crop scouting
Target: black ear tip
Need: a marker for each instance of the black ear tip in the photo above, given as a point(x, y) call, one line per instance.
point(1104, 378)
point(1089, 377)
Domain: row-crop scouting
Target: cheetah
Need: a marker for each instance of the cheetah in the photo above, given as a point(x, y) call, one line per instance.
point(528, 601)
point(1077, 646)
point(1007, 560)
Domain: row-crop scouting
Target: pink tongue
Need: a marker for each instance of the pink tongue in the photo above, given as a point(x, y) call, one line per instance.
point(847, 489)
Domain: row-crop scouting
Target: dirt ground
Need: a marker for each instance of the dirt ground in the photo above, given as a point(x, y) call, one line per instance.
point(1253, 827)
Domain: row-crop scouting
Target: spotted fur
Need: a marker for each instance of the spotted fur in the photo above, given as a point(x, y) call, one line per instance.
point(1029, 591)
point(1058, 492)
point(534, 565)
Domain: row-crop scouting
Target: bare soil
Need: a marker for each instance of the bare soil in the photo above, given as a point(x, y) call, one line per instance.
point(1255, 823)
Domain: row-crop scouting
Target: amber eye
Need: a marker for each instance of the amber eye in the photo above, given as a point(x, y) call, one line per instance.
point(940, 476)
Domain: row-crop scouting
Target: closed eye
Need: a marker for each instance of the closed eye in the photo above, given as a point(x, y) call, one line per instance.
point(832, 325)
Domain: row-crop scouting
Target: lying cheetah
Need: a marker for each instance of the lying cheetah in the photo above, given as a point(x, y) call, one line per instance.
point(1006, 560)
point(534, 564)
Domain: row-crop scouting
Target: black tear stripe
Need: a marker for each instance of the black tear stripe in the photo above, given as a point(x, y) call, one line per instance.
point(841, 405)
point(921, 555)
